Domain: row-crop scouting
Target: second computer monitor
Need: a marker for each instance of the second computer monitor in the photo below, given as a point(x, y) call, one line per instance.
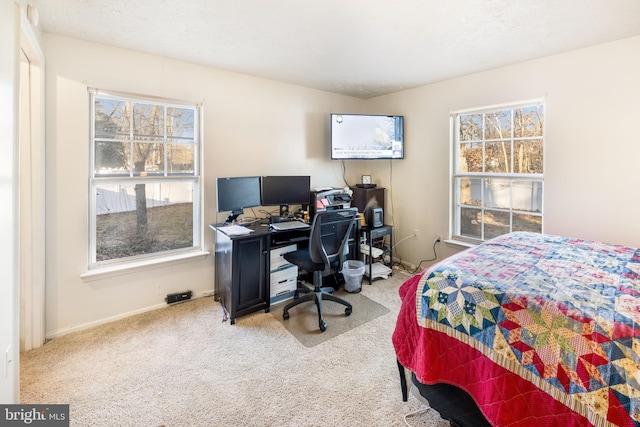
point(284, 191)
point(233, 194)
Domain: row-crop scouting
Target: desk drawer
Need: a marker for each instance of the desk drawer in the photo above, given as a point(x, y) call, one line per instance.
point(283, 283)
point(277, 260)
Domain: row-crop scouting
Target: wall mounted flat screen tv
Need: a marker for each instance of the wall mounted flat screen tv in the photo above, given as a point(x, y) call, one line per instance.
point(366, 137)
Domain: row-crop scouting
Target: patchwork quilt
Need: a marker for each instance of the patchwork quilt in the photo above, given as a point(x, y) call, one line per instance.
point(538, 329)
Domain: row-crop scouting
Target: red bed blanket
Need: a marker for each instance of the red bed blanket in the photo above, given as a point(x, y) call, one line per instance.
point(517, 373)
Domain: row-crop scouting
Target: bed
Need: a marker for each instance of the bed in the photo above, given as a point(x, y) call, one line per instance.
point(532, 329)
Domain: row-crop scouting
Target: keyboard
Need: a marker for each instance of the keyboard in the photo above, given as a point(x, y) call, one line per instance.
point(289, 225)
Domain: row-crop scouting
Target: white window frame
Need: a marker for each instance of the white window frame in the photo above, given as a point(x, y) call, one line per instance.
point(110, 267)
point(456, 173)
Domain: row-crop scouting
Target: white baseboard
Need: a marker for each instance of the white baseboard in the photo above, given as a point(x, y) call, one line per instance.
point(64, 331)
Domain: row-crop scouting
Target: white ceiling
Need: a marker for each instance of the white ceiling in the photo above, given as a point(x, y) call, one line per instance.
point(362, 48)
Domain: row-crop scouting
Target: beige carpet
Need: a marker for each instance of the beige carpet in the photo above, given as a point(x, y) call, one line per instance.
point(182, 366)
point(303, 320)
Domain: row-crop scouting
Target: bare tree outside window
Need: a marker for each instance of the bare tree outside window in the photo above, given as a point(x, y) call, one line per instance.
point(145, 181)
point(498, 176)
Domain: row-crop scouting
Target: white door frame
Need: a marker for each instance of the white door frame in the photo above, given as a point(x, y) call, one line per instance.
point(32, 188)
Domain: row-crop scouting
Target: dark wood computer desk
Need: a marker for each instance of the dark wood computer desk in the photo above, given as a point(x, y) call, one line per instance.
point(242, 265)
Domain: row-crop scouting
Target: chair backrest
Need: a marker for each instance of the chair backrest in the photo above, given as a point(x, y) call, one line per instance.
point(330, 233)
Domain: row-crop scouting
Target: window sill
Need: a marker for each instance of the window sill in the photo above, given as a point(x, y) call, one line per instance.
point(460, 243)
point(134, 267)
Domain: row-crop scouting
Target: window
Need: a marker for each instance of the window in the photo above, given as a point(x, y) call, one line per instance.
point(145, 178)
point(498, 171)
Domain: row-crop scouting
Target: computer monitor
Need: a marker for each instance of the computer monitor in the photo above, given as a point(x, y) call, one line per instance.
point(236, 193)
point(284, 191)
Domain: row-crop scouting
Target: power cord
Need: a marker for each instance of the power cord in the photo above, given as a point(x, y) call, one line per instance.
point(400, 263)
point(269, 214)
point(435, 257)
point(344, 173)
point(416, 412)
point(245, 219)
point(402, 240)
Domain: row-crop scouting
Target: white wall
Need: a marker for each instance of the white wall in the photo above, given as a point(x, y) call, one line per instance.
point(251, 127)
point(9, 223)
point(255, 126)
point(592, 146)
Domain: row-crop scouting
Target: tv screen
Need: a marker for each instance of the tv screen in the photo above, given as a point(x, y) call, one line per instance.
point(366, 137)
point(236, 193)
point(286, 190)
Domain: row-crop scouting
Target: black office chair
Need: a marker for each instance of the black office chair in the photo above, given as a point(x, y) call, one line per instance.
point(325, 255)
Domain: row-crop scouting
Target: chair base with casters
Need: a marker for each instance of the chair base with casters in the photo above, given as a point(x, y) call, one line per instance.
point(324, 256)
point(317, 295)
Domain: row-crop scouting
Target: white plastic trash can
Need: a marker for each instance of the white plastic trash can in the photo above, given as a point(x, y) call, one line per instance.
point(353, 271)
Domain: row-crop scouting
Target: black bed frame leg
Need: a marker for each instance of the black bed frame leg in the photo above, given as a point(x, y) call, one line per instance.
point(403, 380)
